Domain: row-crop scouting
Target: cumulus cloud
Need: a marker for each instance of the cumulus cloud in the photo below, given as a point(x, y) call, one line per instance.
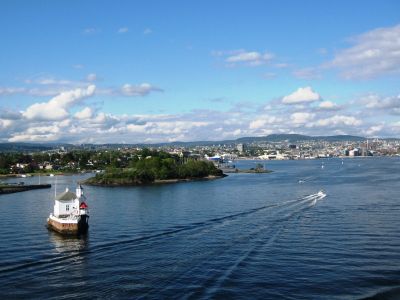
point(34, 137)
point(247, 58)
point(138, 90)
point(328, 105)
point(9, 114)
point(374, 53)
point(301, 117)
point(56, 122)
point(5, 123)
point(301, 95)
point(262, 121)
point(373, 130)
point(390, 104)
point(37, 133)
point(85, 113)
point(50, 81)
point(57, 107)
point(338, 120)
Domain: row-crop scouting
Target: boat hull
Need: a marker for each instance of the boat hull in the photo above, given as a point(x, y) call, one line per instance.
point(81, 226)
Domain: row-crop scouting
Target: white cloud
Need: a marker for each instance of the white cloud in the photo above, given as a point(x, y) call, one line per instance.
point(85, 113)
point(373, 130)
point(5, 123)
point(5, 91)
point(136, 128)
point(301, 95)
point(138, 90)
point(57, 107)
point(37, 133)
point(338, 120)
point(301, 117)
point(374, 101)
point(263, 121)
point(9, 114)
point(123, 30)
point(91, 77)
point(374, 53)
point(34, 138)
point(49, 86)
point(56, 122)
point(328, 105)
point(50, 81)
point(251, 58)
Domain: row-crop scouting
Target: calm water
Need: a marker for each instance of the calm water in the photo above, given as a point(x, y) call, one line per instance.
point(245, 236)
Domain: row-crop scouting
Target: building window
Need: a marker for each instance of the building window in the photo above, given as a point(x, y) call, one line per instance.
point(67, 207)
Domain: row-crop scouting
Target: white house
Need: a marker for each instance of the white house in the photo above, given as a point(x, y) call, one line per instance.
point(67, 203)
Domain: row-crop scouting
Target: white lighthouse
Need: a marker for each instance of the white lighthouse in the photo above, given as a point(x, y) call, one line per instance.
point(71, 214)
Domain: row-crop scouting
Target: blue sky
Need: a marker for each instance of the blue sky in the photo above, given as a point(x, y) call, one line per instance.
point(150, 71)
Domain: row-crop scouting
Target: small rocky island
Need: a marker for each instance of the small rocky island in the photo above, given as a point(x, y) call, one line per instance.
point(259, 169)
point(156, 167)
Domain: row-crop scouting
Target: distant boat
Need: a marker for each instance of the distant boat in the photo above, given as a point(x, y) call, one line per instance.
point(70, 215)
point(51, 175)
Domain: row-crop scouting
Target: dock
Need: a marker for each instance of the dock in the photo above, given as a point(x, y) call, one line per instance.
point(16, 188)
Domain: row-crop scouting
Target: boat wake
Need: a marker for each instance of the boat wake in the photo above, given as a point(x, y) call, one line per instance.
point(276, 217)
point(251, 242)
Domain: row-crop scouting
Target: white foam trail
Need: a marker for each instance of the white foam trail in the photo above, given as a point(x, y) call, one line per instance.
point(313, 198)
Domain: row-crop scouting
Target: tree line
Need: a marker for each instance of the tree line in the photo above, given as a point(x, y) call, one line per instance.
point(148, 166)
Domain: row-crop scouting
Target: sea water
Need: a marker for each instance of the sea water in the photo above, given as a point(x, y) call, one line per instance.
point(300, 232)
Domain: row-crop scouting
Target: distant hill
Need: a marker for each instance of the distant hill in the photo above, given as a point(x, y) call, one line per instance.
point(341, 138)
point(29, 147)
point(290, 138)
point(275, 138)
point(22, 147)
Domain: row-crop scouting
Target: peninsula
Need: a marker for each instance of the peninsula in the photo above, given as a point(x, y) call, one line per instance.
point(152, 167)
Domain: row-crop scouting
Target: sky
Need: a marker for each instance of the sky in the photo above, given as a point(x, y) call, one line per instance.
point(164, 71)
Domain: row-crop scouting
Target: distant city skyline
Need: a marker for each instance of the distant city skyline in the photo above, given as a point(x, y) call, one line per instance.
point(150, 72)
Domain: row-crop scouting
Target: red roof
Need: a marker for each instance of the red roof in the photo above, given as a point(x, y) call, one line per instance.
point(83, 205)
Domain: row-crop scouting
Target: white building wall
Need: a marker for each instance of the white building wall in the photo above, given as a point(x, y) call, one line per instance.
point(66, 207)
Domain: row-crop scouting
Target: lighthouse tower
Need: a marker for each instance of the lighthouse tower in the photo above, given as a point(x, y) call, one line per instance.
point(83, 208)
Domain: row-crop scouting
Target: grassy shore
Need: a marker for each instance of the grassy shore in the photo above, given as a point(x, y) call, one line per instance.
point(130, 182)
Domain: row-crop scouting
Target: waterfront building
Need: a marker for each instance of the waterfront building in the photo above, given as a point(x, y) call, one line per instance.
point(70, 214)
point(241, 147)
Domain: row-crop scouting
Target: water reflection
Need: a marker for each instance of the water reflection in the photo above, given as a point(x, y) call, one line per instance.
point(69, 244)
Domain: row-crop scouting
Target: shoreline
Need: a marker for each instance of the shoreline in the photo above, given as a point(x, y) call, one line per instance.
point(155, 182)
point(245, 171)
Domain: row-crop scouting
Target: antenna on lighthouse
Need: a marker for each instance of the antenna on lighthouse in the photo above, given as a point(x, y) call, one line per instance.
point(55, 189)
